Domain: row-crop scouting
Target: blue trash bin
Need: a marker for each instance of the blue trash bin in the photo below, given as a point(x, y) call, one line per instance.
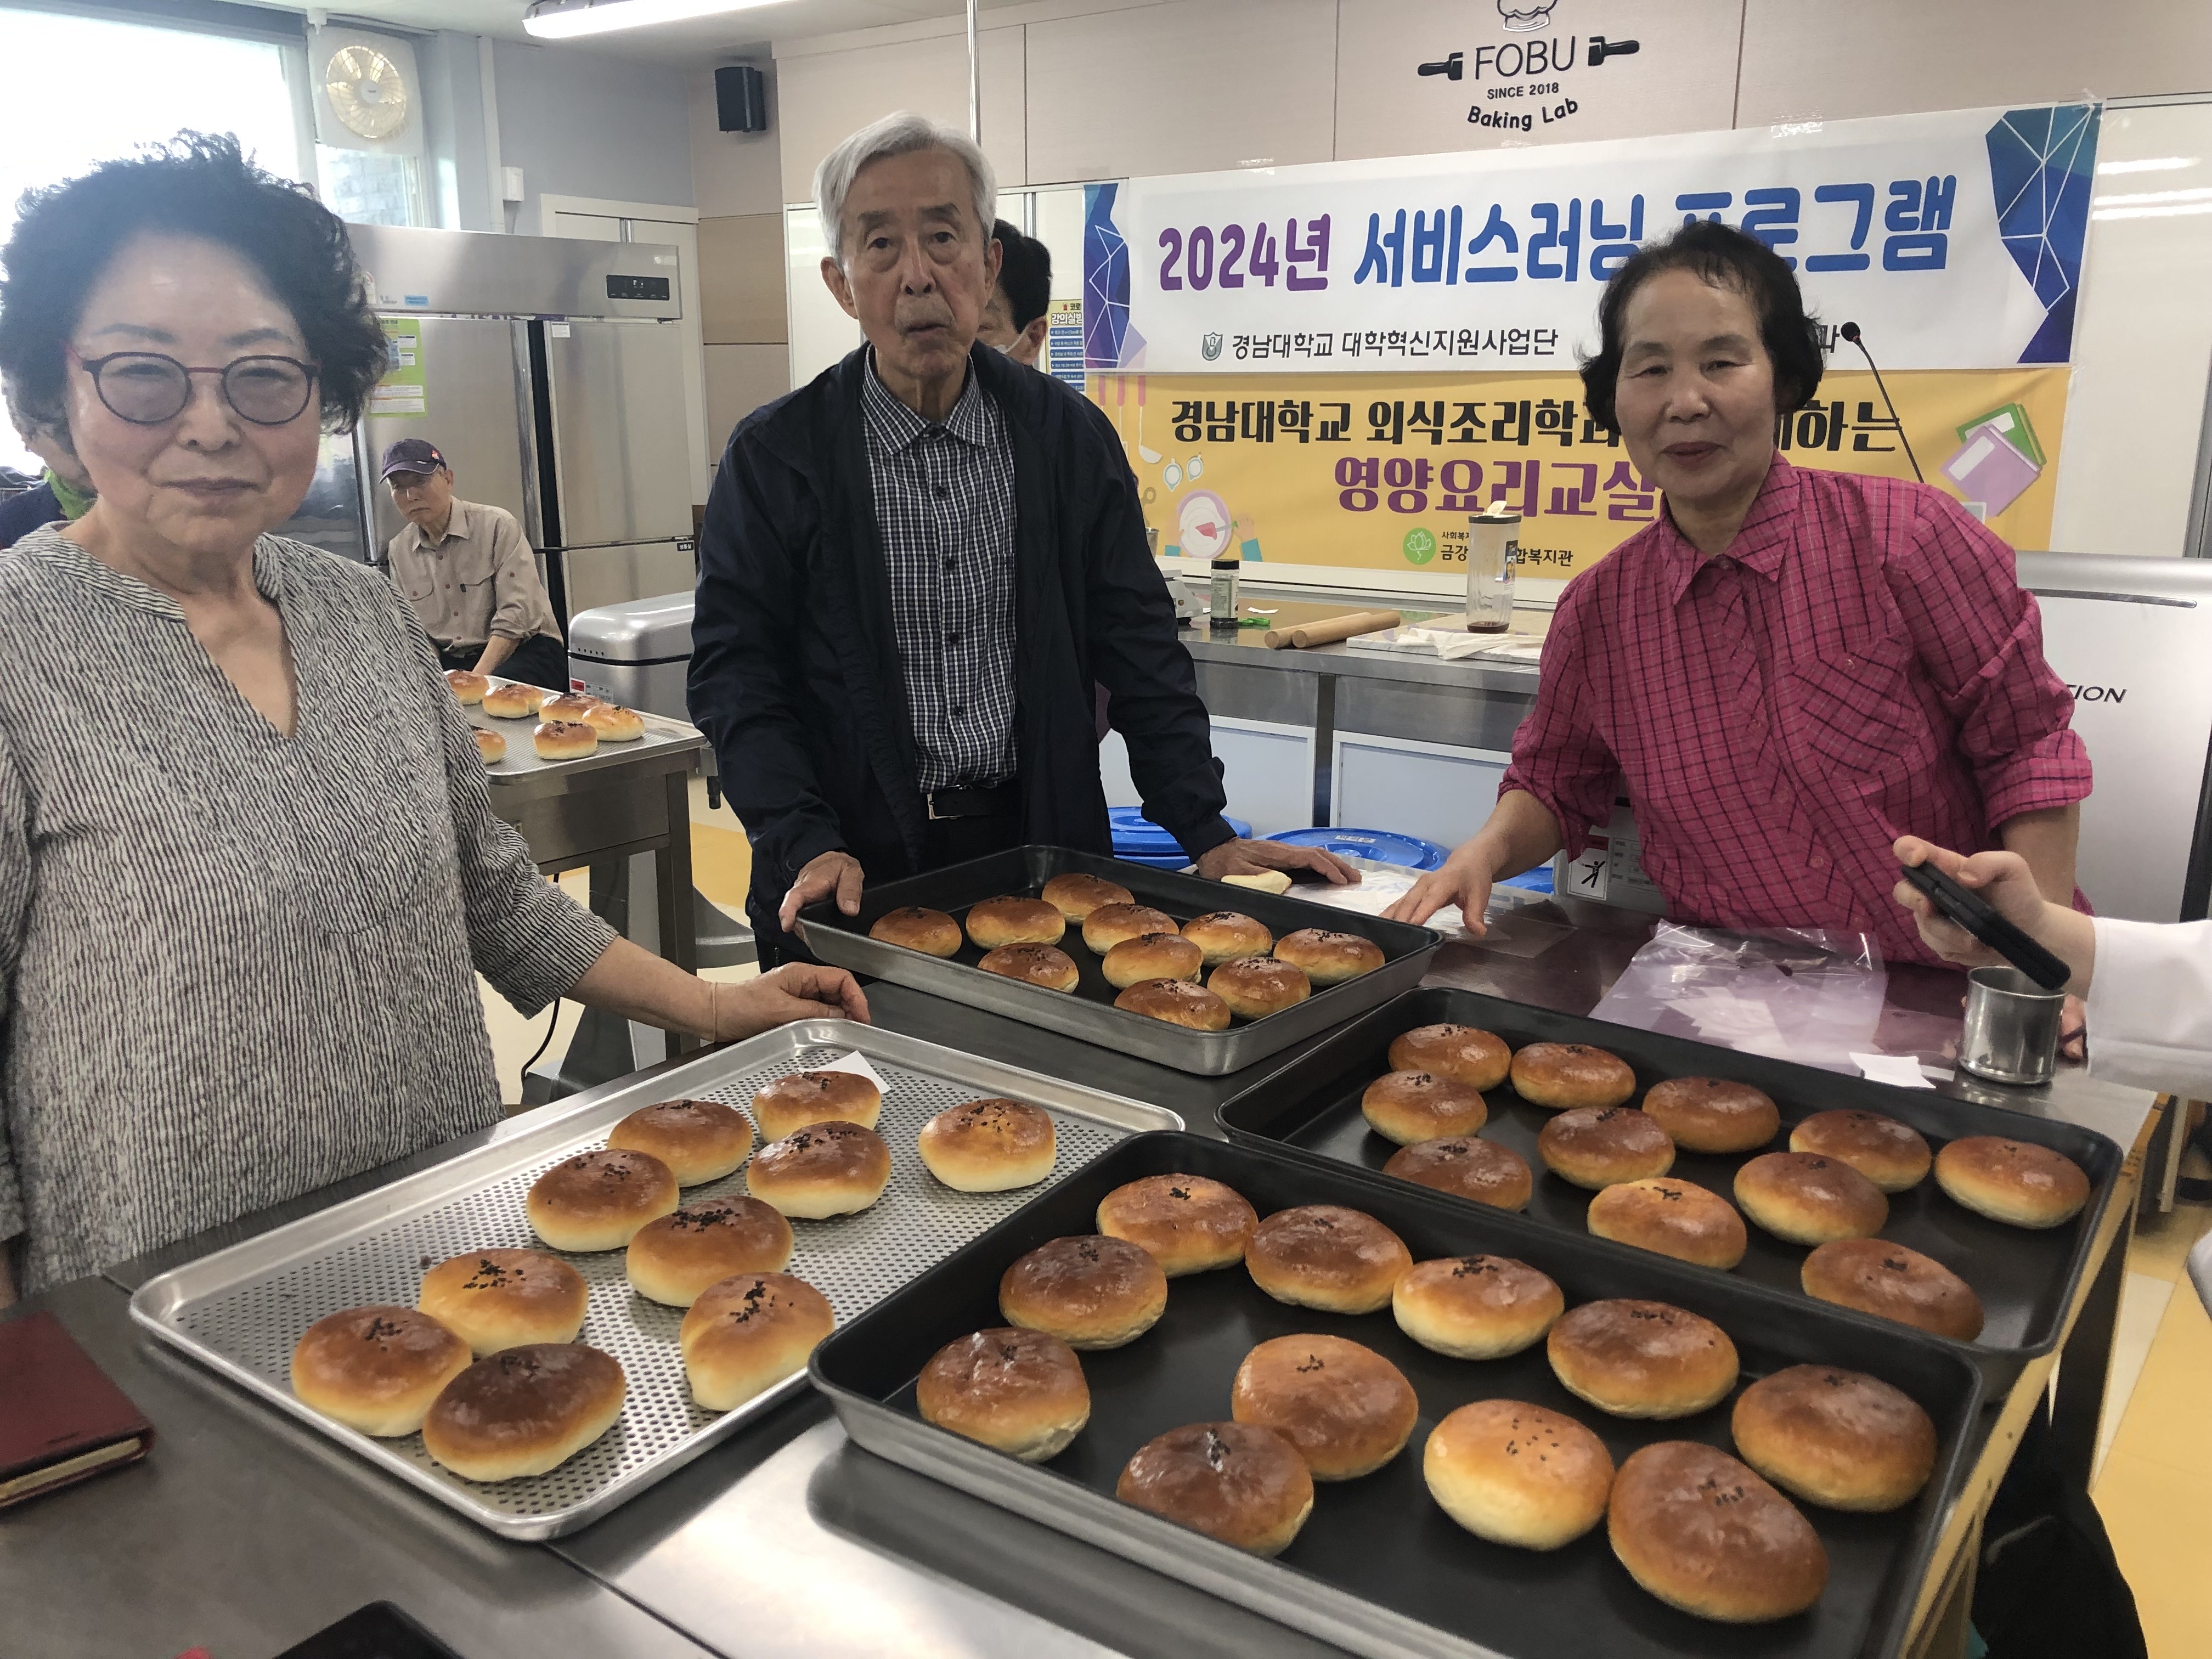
point(1140, 840)
point(1382, 845)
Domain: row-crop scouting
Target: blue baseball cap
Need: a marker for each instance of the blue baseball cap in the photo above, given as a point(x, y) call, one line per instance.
point(417, 455)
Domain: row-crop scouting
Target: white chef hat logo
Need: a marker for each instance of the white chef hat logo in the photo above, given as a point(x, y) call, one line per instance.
point(1525, 16)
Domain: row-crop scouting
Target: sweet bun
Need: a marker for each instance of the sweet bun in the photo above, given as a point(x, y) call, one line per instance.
point(1224, 935)
point(804, 1097)
point(1841, 1439)
point(1564, 1075)
point(1328, 958)
point(1808, 1200)
point(1461, 1053)
point(1642, 1358)
point(1891, 1282)
point(1712, 1115)
point(675, 1260)
point(490, 745)
point(1476, 1307)
point(2014, 1182)
point(376, 1369)
point(513, 700)
point(821, 1170)
point(564, 739)
point(597, 1200)
point(699, 1141)
point(568, 706)
point(1517, 1474)
point(745, 1334)
point(1326, 1257)
point(1018, 1392)
point(1411, 1106)
point(494, 1299)
point(1091, 1290)
point(1481, 1170)
point(1075, 895)
point(1891, 1155)
point(1188, 1224)
point(1670, 1217)
point(467, 687)
point(1178, 1002)
point(1010, 920)
point(1706, 1534)
point(1237, 1482)
point(1595, 1146)
point(930, 932)
point(1255, 987)
point(991, 1145)
point(1347, 1409)
point(525, 1410)
point(1046, 966)
point(1110, 924)
point(1151, 956)
point(613, 722)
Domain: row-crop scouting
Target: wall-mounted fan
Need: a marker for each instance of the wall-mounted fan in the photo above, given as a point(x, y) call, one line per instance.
point(365, 91)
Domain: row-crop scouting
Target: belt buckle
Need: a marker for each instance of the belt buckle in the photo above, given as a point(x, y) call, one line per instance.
point(929, 803)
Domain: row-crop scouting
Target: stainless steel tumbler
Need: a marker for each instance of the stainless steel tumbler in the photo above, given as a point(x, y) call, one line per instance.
point(2012, 1027)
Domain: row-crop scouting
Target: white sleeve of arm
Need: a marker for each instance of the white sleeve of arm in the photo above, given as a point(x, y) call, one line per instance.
point(2151, 1006)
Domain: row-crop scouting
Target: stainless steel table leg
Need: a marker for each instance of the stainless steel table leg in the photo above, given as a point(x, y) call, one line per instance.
point(2086, 1362)
point(2173, 1142)
point(671, 870)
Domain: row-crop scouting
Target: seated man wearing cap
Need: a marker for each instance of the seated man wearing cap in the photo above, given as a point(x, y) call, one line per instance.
point(470, 574)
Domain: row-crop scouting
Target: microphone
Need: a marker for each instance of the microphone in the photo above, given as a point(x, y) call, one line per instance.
point(1851, 332)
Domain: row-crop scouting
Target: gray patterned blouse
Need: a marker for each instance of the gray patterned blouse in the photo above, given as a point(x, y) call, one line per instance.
point(237, 965)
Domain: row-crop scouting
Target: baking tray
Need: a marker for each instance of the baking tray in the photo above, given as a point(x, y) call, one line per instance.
point(1379, 1568)
point(241, 1310)
point(662, 736)
point(2027, 1279)
point(1088, 1011)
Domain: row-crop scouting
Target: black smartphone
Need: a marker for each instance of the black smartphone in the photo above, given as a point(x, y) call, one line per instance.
point(378, 1631)
point(1971, 912)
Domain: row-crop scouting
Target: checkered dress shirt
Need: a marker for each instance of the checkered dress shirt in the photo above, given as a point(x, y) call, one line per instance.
point(945, 501)
point(1859, 664)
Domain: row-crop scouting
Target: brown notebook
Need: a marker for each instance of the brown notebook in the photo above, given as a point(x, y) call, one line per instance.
point(61, 1420)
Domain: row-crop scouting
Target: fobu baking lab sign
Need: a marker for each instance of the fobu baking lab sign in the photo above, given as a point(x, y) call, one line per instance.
point(1523, 81)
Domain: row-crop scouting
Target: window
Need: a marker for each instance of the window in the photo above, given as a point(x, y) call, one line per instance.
point(365, 188)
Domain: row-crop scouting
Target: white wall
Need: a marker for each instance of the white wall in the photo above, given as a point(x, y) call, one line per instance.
point(582, 124)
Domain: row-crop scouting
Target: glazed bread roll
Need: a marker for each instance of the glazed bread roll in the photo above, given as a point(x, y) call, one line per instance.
point(377, 1369)
point(1411, 1106)
point(1075, 896)
point(1841, 1439)
point(489, 744)
point(1237, 1482)
point(1564, 1075)
point(1325, 1256)
point(822, 1170)
point(699, 1141)
point(1255, 987)
point(568, 706)
point(1516, 1474)
point(564, 739)
point(613, 722)
point(1178, 1002)
point(1807, 1199)
point(804, 1097)
point(1712, 1115)
point(1151, 956)
point(1347, 1409)
point(1089, 1291)
point(1110, 924)
point(930, 932)
point(1481, 1170)
point(2014, 1182)
point(597, 1200)
point(1642, 1358)
point(1461, 1053)
point(674, 1261)
point(525, 1410)
point(1328, 958)
point(745, 1334)
point(1890, 1154)
point(1891, 1282)
point(1046, 966)
point(466, 687)
point(991, 1145)
point(1670, 1217)
point(1224, 935)
point(513, 700)
point(1013, 920)
point(1597, 1146)
point(1702, 1533)
point(494, 1299)
point(1018, 1392)
point(1476, 1307)
point(1188, 1224)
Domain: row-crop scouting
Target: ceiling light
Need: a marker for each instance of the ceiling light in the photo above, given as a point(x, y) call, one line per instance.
point(565, 20)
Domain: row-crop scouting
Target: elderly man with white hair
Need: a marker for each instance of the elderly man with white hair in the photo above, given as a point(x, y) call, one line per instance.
point(917, 568)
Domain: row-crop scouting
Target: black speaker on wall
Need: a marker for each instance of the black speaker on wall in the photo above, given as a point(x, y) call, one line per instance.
point(741, 98)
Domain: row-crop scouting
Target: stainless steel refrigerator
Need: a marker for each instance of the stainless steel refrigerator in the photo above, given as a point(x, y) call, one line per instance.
point(549, 374)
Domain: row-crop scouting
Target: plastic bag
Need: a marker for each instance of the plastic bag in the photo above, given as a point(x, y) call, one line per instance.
point(1381, 885)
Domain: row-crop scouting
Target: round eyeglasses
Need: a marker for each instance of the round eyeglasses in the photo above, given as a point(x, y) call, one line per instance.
point(147, 388)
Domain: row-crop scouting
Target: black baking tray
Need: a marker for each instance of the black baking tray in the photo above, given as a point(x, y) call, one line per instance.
point(1088, 1011)
point(2027, 1279)
point(1379, 1568)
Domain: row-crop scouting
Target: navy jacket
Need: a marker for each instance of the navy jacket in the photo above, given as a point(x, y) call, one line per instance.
point(22, 513)
point(795, 675)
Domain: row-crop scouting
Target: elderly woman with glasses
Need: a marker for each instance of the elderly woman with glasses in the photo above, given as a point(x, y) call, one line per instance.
point(248, 863)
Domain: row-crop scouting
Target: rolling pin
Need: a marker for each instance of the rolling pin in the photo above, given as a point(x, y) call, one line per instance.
point(1330, 632)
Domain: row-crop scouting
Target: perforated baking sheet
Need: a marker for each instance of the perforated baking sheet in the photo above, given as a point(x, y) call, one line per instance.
point(241, 1310)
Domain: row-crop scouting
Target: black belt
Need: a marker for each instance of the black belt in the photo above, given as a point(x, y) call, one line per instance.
point(1003, 801)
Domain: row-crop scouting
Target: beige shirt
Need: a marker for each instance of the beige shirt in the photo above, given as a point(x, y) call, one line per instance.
point(480, 579)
